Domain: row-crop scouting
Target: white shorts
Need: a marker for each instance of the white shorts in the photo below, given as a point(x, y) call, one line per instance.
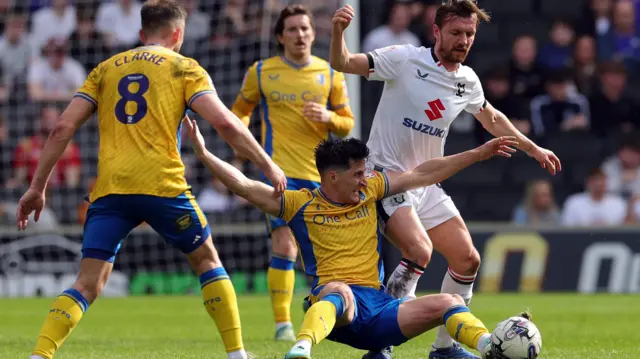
point(432, 205)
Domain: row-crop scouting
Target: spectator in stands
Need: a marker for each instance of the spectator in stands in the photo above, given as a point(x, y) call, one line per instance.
point(525, 72)
point(633, 217)
point(56, 77)
point(623, 169)
point(595, 207)
point(621, 41)
point(613, 110)
point(119, 22)
point(427, 39)
point(585, 65)
point(25, 159)
point(57, 21)
point(17, 49)
point(198, 23)
point(87, 45)
point(597, 19)
point(557, 53)
point(497, 93)
point(5, 153)
point(217, 198)
point(558, 110)
point(539, 206)
point(395, 32)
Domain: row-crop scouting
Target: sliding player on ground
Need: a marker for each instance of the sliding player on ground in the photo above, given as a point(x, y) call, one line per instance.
point(425, 90)
point(336, 228)
point(141, 96)
point(302, 102)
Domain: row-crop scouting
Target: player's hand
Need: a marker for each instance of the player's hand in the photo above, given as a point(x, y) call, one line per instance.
point(316, 112)
point(546, 158)
point(193, 131)
point(31, 201)
point(342, 18)
point(501, 146)
point(277, 178)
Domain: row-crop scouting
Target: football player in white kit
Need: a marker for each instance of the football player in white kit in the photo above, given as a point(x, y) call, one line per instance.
point(425, 90)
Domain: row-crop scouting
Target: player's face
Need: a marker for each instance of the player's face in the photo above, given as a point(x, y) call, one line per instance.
point(349, 183)
point(298, 36)
point(454, 40)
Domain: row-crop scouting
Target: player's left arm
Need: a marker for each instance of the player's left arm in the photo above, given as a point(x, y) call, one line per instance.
point(439, 169)
point(497, 124)
point(338, 117)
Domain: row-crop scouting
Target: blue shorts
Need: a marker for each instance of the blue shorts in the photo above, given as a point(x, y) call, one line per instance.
point(110, 219)
point(375, 322)
point(292, 184)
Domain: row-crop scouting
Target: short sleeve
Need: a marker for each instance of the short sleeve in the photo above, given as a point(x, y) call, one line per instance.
point(378, 183)
point(477, 102)
point(250, 91)
point(339, 96)
point(292, 202)
point(91, 86)
point(197, 82)
point(385, 63)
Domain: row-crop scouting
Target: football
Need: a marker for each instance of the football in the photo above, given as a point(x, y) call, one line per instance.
point(516, 338)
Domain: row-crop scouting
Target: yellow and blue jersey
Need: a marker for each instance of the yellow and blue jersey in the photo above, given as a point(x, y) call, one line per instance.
point(338, 242)
point(282, 89)
point(141, 96)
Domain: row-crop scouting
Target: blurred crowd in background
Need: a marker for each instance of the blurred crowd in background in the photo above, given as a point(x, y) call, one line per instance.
point(566, 74)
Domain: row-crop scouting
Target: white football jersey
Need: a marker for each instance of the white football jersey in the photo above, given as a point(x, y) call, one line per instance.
point(419, 102)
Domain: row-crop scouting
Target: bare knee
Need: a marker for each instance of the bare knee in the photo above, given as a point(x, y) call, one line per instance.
point(90, 290)
point(467, 264)
point(204, 258)
point(283, 243)
point(447, 301)
point(345, 292)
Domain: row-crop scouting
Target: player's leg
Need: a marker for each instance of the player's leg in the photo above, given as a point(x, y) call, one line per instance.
point(449, 310)
point(181, 222)
point(333, 306)
point(106, 226)
point(403, 228)
point(281, 277)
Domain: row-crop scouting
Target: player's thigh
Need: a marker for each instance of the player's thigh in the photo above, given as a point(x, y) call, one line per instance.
point(179, 220)
point(419, 315)
point(453, 240)
point(109, 221)
point(403, 227)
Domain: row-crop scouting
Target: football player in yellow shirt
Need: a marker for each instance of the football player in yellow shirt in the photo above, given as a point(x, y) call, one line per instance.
point(141, 96)
point(335, 226)
point(302, 101)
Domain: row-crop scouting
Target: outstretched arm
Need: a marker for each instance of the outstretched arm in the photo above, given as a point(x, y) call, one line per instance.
point(439, 169)
point(258, 193)
point(497, 124)
point(340, 57)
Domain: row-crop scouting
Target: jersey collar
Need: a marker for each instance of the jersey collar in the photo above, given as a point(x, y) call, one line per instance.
point(324, 196)
point(293, 64)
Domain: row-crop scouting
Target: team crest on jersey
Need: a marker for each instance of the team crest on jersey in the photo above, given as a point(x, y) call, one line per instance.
point(320, 79)
point(460, 89)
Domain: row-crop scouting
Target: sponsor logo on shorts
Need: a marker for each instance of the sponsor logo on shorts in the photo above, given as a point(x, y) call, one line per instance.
point(184, 222)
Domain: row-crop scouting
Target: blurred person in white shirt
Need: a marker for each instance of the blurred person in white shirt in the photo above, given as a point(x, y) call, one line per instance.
point(395, 32)
point(17, 48)
point(198, 22)
point(55, 21)
point(623, 168)
point(119, 22)
point(594, 207)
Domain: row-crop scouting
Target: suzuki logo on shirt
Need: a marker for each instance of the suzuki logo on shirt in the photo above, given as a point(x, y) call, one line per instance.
point(423, 128)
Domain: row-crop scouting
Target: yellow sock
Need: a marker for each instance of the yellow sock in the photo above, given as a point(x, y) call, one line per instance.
point(463, 326)
point(321, 318)
point(222, 305)
point(281, 279)
point(66, 311)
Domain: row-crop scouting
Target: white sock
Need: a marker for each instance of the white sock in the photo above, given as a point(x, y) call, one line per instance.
point(404, 279)
point(304, 344)
point(35, 357)
point(454, 283)
point(485, 340)
point(282, 324)
point(238, 354)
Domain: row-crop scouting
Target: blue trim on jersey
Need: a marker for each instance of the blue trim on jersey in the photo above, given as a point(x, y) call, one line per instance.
point(85, 96)
point(198, 94)
point(301, 233)
point(324, 196)
point(179, 137)
point(281, 214)
point(380, 260)
point(386, 184)
point(329, 107)
point(268, 136)
point(294, 65)
point(77, 297)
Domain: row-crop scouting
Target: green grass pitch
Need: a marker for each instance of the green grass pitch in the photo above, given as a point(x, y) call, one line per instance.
point(572, 326)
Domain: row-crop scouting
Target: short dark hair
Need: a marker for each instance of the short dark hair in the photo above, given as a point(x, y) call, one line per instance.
point(158, 15)
point(460, 8)
point(288, 11)
point(339, 154)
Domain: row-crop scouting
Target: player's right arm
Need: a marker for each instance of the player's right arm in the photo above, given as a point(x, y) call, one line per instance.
point(381, 64)
point(439, 169)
